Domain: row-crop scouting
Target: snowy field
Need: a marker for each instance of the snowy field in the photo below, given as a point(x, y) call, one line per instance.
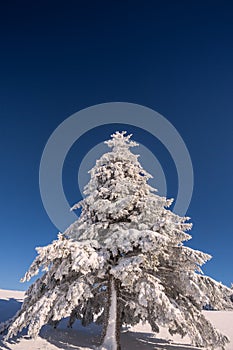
point(138, 337)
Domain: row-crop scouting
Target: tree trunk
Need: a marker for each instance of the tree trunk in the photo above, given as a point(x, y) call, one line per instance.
point(111, 333)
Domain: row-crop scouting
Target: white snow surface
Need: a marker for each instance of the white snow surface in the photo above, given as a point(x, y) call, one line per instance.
point(139, 337)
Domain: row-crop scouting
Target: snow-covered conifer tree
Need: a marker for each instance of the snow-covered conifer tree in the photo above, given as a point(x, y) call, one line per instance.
point(123, 261)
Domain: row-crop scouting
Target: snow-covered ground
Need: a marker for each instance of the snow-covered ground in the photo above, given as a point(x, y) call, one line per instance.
point(139, 337)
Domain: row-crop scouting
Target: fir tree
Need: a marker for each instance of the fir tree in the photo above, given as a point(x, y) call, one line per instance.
point(123, 261)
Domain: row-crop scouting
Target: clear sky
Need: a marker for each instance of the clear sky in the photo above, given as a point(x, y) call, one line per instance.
point(175, 57)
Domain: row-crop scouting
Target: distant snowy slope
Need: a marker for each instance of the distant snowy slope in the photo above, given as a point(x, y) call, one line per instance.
point(80, 338)
point(8, 294)
point(10, 301)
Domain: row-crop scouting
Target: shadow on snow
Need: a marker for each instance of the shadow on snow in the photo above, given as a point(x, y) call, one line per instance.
point(78, 337)
point(8, 309)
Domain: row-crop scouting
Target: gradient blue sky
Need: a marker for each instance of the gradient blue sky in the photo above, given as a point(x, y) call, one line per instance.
point(175, 57)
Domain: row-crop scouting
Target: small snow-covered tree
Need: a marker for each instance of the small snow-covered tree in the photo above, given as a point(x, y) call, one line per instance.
point(123, 261)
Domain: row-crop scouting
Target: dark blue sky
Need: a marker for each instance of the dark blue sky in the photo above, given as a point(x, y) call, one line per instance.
point(57, 58)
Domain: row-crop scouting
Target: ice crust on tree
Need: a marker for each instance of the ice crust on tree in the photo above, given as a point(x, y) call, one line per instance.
point(125, 234)
point(109, 342)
